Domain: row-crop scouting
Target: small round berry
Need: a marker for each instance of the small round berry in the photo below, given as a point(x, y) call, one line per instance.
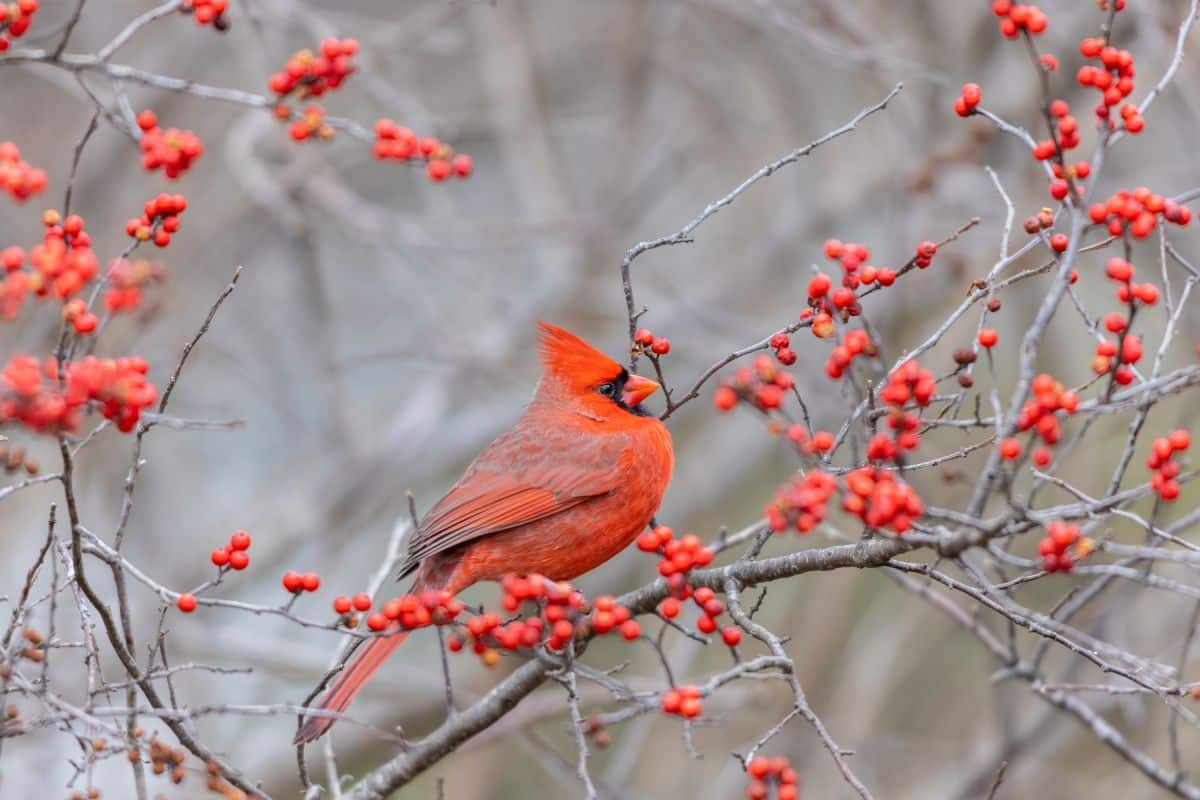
point(822, 441)
point(819, 286)
point(988, 337)
point(220, 556)
point(731, 636)
point(341, 604)
point(724, 399)
point(292, 581)
point(437, 169)
point(186, 603)
point(377, 621)
point(630, 630)
point(240, 540)
point(311, 581)
point(362, 602)
point(146, 120)
point(660, 346)
point(1010, 449)
point(239, 559)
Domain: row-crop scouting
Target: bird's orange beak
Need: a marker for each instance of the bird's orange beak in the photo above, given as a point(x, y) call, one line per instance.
point(637, 389)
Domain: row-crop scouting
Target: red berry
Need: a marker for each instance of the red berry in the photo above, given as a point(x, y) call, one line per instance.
point(660, 346)
point(147, 120)
point(239, 559)
point(988, 337)
point(362, 602)
point(341, 604)
point(239, 541)
point(311, 582)
point(1010, 449)
point(293, 581)
point(377, 621)
point(462, 165)
point(438, 169)
point(186, 603)
point(220, 556)
point(731, 636)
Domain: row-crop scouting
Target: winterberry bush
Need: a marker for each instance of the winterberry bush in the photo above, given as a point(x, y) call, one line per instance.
point(1016, 463)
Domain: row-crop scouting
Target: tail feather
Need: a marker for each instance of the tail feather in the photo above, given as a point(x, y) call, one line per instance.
point(347, 684)
point(362, 666)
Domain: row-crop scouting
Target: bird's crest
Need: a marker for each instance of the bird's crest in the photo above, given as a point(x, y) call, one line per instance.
point(567, 356)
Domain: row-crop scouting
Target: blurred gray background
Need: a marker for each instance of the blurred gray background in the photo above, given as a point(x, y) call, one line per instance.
point(382, 333)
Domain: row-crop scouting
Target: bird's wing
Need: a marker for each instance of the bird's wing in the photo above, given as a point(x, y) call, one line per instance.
point(520, 478)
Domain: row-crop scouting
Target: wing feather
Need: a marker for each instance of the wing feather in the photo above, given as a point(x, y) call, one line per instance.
point(522, 477)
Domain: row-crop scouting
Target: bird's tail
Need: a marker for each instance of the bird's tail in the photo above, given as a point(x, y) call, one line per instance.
point(352, 678)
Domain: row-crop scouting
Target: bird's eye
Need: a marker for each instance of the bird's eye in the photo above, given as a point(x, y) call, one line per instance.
point(607, 389)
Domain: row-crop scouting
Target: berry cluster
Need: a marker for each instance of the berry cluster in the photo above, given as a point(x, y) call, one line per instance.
point(310, 124)
point(166, 759)
point(207, 12)
point(561, 613)
point(15, 20)
point(123, 289)
point(15, 458)
point(802, 502)
point(1137, 211)
point(160, 219)
point(308, 74)
point(39, 396)
point(1039, 415)
point(1113, 79)
point(679, 556)
point(1127, 349)
point(762, 386)
point(170, 149)
point(965, 104)
point(781, 344)
point(683, 701)
point(908, 383)
point(345, 606)
point(711, 608)
point(1162, 463)
point(234, 554)
point(397, 143)
point(17, 177)
point(644, 340)
point(1018, 17)
point(410, 611)
point(296, 583)
point(819, 442)
point(76, 314)
point(60, 265)
point(880, 499)
point(765, 771)
point(1062, 547)
point(854, 343)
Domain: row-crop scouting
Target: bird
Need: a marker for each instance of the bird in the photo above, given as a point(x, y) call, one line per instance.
point(579, 475)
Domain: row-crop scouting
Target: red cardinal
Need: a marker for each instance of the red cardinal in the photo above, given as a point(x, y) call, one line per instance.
point(575, 481)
